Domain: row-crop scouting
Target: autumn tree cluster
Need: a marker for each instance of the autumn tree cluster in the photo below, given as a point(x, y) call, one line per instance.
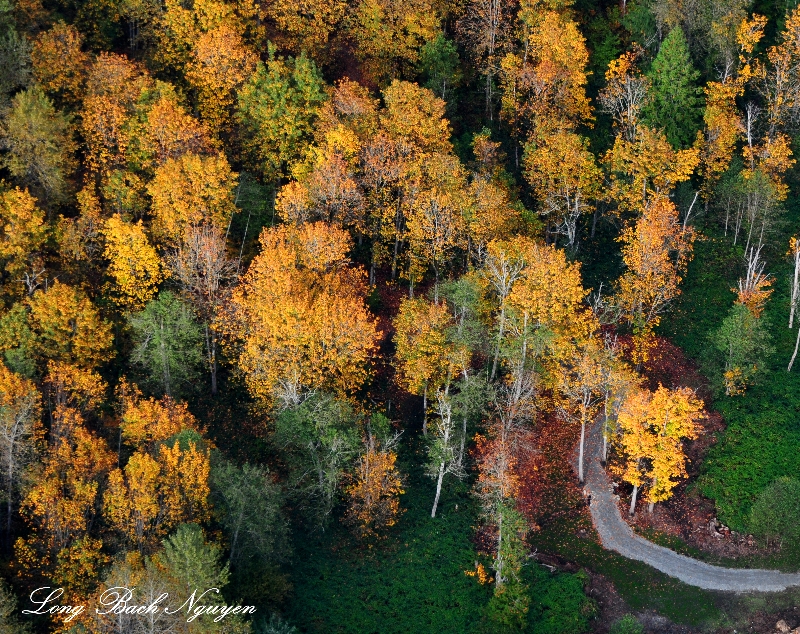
point(262, 263)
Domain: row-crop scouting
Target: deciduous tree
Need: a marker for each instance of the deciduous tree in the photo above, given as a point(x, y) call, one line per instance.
point(190, 191)
point(168, 344)
point(20, 431)
point(653, 426)
point(656, 251)
point(134, 266)
point(39, 146)
point(298, 319)
point(68, 328)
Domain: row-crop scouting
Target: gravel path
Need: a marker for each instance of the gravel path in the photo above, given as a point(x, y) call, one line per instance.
point(617, 535)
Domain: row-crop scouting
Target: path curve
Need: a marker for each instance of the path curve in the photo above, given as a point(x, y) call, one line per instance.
point(615, 534)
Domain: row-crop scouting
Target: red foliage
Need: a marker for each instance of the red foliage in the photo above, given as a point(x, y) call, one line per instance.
point(548, 487)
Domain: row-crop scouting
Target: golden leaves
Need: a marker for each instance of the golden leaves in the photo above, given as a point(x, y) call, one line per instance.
point(653, 426)
point(189, 191)
point(298, 318)
point(134, 267)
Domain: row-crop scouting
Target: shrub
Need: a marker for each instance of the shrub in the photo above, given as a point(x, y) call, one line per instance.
point(627, 625)
point(775, 515)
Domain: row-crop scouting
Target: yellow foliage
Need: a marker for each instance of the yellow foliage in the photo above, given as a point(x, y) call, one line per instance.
point(646, 167)
point(59, 64)
point(298, 318)
point(653, 426)
point(134, 265)
point(23, 232)
point(152, 495)
point(424, 357)
point(189, 191)
point(373, 496)
point(220, 63)
point(656, 252)
point(146, 421)
point(68, 327)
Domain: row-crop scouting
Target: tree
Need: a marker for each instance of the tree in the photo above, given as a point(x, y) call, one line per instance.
point(148, 422)
point(580, 384)
point(434, 222)
point(656, 251)
point(439, 65)
point(39, 145)
point(504, 264)
point(375, 488)
point(388, 36)
point(9, 619)
point(190, 191)
point(486, 28)
point(277, 107)
point(168, 343)
point(134, 265)
point(321, 441)
point(24, 233)
point(169, 132)
point(742, 344)
point(17, 341)
point(544, 89)
point(186, 562)
point(158, 490)
point(424, 358)
point(565, 177)
point(497, 488)
point(20, 432)
point(15, 57)
point(67, 327)
point(249, 503)
point(307, 26)
point(59, 64)
point(220, 64)
point(63, 502)
point(204, 271)
point(645, 168)
point(653, 426)
point(443, 448)
point(674, 105)
point(298, 320)
point(625, 94)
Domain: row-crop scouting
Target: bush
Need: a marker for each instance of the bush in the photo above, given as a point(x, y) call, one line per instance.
point(775, 515)
point(627, 625)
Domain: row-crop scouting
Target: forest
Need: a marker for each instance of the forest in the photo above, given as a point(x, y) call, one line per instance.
point(329, 316)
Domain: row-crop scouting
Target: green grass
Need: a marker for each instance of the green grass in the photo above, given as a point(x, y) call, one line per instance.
point(413, 581)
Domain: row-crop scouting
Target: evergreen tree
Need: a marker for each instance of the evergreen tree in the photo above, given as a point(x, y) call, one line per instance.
point(675, 102)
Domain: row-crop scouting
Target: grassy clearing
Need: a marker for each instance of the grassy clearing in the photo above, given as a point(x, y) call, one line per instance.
point(414, 581)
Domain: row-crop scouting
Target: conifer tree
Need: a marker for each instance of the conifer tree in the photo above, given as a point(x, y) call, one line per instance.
point(675, 104)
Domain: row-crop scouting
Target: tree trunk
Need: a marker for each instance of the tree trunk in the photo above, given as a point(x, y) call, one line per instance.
point(499, 338)
point(580, 454)
point(633, 501)
point(438, 490)
point(425, 410)
point(794, 354)
point(9, 475)
point(650, 507)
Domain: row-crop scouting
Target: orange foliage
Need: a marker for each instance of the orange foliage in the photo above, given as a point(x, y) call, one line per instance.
point(298, 318)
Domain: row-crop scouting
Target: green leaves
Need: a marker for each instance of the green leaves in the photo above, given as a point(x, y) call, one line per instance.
point(168, 344)
point(277, 108)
